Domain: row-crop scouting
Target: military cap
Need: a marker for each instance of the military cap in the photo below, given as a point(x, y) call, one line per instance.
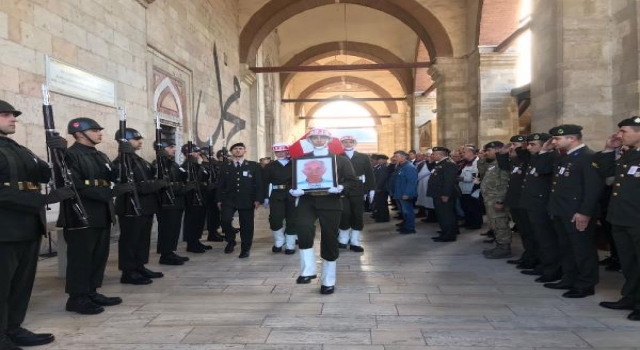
point(129, 134)
point(565, 129)
point(5, 107)
point(381, 156)
point(82, 124)
point(167, 143)
point(518, 138)
point(538, 136)
point(441, 149)
point(185, 148)
point(633, 121)
point(494, 144)
point(237, 144)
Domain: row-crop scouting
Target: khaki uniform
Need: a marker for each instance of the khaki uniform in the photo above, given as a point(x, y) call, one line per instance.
point(494, 189)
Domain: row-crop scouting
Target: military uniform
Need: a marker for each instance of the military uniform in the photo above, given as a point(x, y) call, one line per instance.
point(443, 183)
point(381, 198)
point(195, 214)
point(277, 180)
point(351, 220)
point(517, 166)
point(494, 191)
point(212, 171)
point(239, 187)
point(536, 188)
point(576, 187)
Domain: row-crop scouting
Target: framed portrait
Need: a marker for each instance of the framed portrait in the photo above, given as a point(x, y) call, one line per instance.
point(315, 174)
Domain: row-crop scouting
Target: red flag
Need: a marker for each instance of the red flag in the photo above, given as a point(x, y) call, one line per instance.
point(302, 147)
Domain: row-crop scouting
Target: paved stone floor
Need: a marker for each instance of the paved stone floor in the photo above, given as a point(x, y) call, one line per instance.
point(403, 293)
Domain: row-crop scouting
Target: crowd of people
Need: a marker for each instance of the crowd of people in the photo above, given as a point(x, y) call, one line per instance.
point(555, 190)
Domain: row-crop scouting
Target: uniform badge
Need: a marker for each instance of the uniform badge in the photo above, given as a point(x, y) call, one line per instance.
point(560, 131)
point(566, 174)
point(637, 174)
point(637, 120)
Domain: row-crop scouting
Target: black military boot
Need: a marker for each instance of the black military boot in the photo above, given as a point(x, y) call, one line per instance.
point(83, 305)
point(104, 300)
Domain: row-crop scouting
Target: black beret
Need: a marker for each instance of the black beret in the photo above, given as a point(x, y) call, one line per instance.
point(518, 138)
point(237, 144)
point(565, 129)
point(633, 121)
point(441, 149)
point(494, 144)
point(539, 136)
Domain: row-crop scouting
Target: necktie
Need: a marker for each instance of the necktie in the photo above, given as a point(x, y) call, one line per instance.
point(237, 164)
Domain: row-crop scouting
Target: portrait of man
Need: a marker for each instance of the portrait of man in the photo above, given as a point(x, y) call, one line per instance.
point(313, 174)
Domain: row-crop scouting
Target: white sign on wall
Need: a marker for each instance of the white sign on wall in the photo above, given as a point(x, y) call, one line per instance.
point(71, 81)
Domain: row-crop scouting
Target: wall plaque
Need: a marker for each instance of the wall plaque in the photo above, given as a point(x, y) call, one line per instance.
point(71, 81)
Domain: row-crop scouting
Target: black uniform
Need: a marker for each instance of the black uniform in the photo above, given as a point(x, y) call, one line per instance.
point(326, 208)
point(88, 248)
point(170, 216)
point(195, 213)
point(23, 224)
point(281, 204)
point(135, 231)
point(534, 199)
point(517, 167)
point(575, 188)
point(211, 170)
point(624, 208)
point(443, 183)
point(381, 198)
point(352, 201)
point(239, 187)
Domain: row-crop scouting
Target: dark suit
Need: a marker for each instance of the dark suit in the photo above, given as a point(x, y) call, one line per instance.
point(381, 203)
point(575, 188)
point(239, 187)
point(23, 225)
point(623, 214)
point(195, 214)
point(88, 248)
point(352, 201)
point(443, 183)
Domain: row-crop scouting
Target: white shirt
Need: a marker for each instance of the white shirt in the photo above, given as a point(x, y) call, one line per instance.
point(283, 161)
point(349, 153)
point(321, 152)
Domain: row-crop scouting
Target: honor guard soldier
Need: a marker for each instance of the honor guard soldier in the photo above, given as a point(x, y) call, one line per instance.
point(326, 207)
point(278, 177)
point(534, 199)
point(195, 213)
point(239, 189)
point(88, 247)
point(624, 209)
point(135, 230)
point(494, 191)
point(444, 189)
point(351, 221)
point(170, 214)
point(22, 211)
point(575, 191)
point(211, 170)
point(514, 158)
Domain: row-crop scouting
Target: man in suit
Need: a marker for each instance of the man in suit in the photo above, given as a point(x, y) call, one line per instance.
point(23, 220)
point(351, 221)
point(575, 192)
point(404, 191)
point(380, 199)
point(239, 190)
point(443, 188)
point(624, 210)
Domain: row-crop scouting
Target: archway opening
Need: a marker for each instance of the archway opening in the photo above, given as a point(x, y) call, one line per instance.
point(348, 118)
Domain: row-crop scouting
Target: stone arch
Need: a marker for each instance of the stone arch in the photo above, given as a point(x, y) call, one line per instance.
point(410, 12)
point(365, 50)
point(167, 84)
point(365, 105)
point(375, 88)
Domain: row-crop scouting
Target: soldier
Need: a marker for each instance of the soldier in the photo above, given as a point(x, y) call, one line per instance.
point(514, 158)
point(325, 207)
point(170, 216)
point(88, 247)
point(534, 199)
point(494, 191)
point(195, 213)
point(381, 197)
point(575, 191)
point(135, 231)
point(22, 211)
point(623, 210)
point(239, 189)
point(278, 177)
point(211, 170)
point(444, 190)
point(351, 221)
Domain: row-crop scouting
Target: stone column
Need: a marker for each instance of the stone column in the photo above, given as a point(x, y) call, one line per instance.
point(425, 107)
point(498, 111)
point(456, 81)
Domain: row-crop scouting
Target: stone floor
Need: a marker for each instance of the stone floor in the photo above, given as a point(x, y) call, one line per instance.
point(403, 293)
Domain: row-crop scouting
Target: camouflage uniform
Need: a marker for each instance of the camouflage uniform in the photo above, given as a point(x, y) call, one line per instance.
point(494, 190)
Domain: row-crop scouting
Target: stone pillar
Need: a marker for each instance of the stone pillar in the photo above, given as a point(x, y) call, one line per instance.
point(498, 111)
point(574, 45)
point(425, 107)
point(457, 82)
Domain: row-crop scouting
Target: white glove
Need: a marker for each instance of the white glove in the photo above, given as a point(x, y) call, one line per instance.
point(336, 190)
point(372, 194)
point(296, 193)
point(266, 202)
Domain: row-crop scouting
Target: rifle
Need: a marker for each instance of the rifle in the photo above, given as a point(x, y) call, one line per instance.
point(131, 199)
point(214, 168)
point(74, 214)
point(167, 197)
point(196, 199)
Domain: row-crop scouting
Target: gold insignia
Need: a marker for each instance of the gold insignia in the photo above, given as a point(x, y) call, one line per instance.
point(560, 131)
point(536, 137)
point(637, 120)
point(595, 165)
